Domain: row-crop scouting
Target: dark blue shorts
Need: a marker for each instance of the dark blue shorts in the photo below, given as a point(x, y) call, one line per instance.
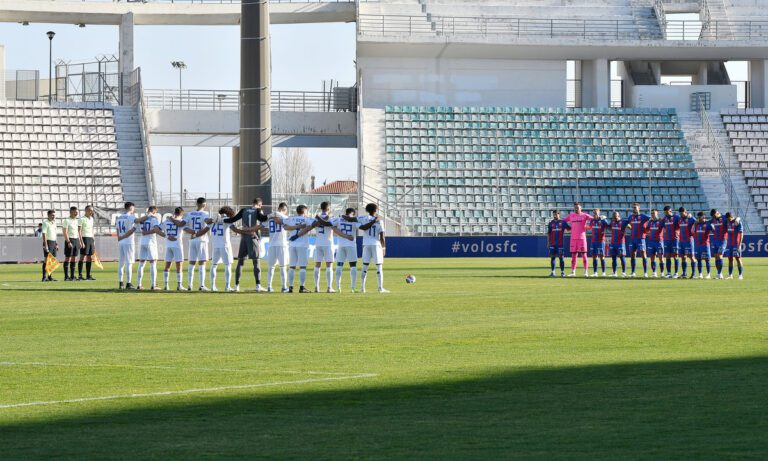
point(597, 249)
point(556, 250)
point(733, 252)
point(702, 252)
point(671, 247)
point(686, 249)
point(617, 249)
point(637, 245)
point(718, 247)
point(655, 248)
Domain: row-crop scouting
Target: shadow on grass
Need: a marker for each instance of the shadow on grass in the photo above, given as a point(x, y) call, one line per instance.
point(668, 410)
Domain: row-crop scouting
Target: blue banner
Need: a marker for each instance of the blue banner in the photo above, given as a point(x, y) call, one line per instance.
point(504, 247)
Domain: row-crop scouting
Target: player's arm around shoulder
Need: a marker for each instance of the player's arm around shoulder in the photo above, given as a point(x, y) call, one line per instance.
point(336, 231)
point(371, 221)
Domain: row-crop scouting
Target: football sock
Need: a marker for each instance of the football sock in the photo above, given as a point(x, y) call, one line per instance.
point(140, 273)
point(645, 264)
point(573, 262)
point(353, 276)
point(257, 272)
point(709, 267)
point(44, 274)
point(613, 263)
point(270, 276)
point(594, 265)
point(623, 264)
point(339, 268)
point(190, 275)
point(239, 271)
point(685, 266)
point(213, 275)
point(380, 276)
point(633, 263)
point(676, 265)
point(291, 275)
point(329, 276)
point(653, 265)
point(363, 276)
point(699, 266)
point(201, 274)
point(602, 263)
point(719, 266)
point(741, 268)
point(317, 278)
point(179, 275)
point(562, 264)
point(88, 268)
point(153, 273)
point(227, 276)
point(80, 268)
point(284, 276)
point(129, 272)
point(552, 264)
point(584, 261)
point(669, 265)
point(302, 276)
point(166, 275)
point(730, 267)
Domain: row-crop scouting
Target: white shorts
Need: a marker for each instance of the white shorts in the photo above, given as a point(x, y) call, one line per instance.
point(373, 252)
point(198, 250)
point(323, 254)
point(277, 255)
point(298, 256)
point(127, 254)
point(148, 252)
point(174, 254)
point(346, 254)
point(223, 255)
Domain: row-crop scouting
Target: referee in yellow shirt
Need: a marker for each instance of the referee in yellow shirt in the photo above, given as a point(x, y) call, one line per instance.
point(87, 249)
point(50, 233)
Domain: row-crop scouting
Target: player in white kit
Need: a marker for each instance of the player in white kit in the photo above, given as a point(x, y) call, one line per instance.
point(298, 246)
point(126, 227)
point(221, 244)
point(174, 246)
point(347, 249)
point(198, 246)
point(374, 246)
point(150, 228)
point(277, 253)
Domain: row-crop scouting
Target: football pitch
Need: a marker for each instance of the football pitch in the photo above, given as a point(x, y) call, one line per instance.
point(479, 359)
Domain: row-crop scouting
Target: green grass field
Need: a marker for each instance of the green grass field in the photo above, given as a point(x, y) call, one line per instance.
point(480, 359)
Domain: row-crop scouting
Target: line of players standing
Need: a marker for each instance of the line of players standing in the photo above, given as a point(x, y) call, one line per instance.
point(289, 253)
point(672, 238)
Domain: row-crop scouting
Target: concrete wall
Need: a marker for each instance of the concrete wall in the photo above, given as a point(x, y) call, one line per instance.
point(679, 96)
point(461, 82)
point(2, 73)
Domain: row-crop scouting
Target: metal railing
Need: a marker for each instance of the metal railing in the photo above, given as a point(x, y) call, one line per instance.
point(661, 16)
point(336, 100)
point(588, 29)
point(724, 170)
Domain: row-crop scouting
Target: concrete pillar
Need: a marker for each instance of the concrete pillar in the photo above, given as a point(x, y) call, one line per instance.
point(656, 69)
point(255, 117)
point(577, 75)
point(235, 173)
point(125, 66)
point(596, 83)
point(702, 76)
point(758, 80)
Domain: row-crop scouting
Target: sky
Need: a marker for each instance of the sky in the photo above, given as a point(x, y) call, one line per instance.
point(303, 56)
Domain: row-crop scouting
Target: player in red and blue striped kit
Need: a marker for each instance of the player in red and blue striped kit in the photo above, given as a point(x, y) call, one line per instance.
point(718, 244)
point(735, 236)
point(671, 223)
point(686, 240)
point(637, 238)
point(701, 233)
point(556, 241)
point(654, 229)
point(617, 249)
point(598, 225)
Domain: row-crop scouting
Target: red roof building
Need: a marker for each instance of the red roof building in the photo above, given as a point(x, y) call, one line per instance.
point(336, 187)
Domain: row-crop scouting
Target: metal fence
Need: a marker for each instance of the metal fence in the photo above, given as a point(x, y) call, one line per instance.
point(339, 99)
point(587, 29)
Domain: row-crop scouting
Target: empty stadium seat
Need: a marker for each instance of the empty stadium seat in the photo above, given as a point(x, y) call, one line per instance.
point(504, 168)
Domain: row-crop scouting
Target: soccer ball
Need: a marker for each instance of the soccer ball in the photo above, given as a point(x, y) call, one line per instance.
point(410, 279)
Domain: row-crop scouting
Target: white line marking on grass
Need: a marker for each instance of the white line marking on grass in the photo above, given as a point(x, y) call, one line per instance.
point(188, 391)
point(166, 367)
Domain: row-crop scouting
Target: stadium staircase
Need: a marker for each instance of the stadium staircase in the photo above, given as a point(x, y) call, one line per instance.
point(748, 133)
point(705, 156)
point(501, 170)
point(130, 148)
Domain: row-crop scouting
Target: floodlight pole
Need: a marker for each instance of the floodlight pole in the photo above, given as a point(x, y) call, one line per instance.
point(50, 35)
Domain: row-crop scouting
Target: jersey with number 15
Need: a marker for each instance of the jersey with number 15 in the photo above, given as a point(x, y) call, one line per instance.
point(196, 221)
point(371, 236)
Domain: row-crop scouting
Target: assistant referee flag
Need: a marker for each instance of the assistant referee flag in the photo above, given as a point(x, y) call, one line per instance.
point(51, 264)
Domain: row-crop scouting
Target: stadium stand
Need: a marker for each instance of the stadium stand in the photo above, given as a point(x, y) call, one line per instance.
point(748, 131)
point(490, 170)
point(56, 157)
